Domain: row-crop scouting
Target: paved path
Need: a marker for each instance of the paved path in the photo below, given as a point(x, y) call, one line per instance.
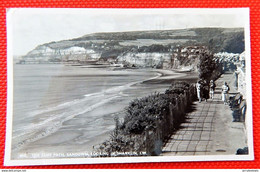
point(209, 129)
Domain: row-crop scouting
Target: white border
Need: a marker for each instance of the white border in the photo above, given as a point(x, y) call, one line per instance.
point(249, 124)
point(249, 117)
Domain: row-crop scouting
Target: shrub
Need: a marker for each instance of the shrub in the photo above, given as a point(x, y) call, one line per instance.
point(141, 114)
point(178, 88)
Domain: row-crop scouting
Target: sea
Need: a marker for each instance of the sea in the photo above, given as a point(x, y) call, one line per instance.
point(65, 111)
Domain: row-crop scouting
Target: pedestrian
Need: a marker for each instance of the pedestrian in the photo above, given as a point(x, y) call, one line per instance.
point(225, 90)
point(198, 88)
point(205, 90)
point(212, 87)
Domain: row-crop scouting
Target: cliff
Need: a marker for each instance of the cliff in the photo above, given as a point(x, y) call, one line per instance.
point(142, 48)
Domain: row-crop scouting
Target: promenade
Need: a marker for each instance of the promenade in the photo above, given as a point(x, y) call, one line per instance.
point(209, 128)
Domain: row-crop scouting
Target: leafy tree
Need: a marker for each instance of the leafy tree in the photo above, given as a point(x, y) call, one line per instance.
point(207, 65)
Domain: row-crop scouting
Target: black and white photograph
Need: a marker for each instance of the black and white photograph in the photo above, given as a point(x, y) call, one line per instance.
point(89, 86)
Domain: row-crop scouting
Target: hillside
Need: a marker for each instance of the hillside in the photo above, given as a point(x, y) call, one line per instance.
point(138, 45)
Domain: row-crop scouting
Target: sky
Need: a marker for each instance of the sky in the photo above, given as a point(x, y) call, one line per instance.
point(30, 27)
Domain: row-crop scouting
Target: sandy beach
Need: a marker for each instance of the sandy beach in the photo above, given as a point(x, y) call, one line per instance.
point(74, 127)
point(169, 76)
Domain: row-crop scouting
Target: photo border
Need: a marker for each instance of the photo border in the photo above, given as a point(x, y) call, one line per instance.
point(249, 122)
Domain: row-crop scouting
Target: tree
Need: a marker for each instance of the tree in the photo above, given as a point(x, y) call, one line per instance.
point(207, 65)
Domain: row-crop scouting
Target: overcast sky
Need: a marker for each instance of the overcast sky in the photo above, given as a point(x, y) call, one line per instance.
point(31, 27)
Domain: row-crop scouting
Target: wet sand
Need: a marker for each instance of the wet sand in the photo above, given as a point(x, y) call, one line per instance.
point(170, 76)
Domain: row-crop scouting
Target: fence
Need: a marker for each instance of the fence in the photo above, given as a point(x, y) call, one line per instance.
point(150, 142)
point(171, 120)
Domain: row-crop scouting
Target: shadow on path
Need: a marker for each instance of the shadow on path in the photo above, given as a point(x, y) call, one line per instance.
point(208, 129)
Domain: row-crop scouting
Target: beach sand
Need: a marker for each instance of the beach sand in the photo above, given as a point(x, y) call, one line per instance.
point(75, 133)
point(170, 76)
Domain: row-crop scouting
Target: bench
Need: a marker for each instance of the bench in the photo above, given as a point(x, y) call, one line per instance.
point(235, 100)
point(239, 112)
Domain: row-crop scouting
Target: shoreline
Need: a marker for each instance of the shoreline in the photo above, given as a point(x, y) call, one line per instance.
point(169, 76)
point(162, 76)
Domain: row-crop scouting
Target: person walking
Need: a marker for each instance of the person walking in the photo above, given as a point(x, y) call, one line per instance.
point(205, 90)
point(198, 88)
point(212, 87)
point(225, 90)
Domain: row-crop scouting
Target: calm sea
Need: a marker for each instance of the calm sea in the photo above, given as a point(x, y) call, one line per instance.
point(61, 108)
